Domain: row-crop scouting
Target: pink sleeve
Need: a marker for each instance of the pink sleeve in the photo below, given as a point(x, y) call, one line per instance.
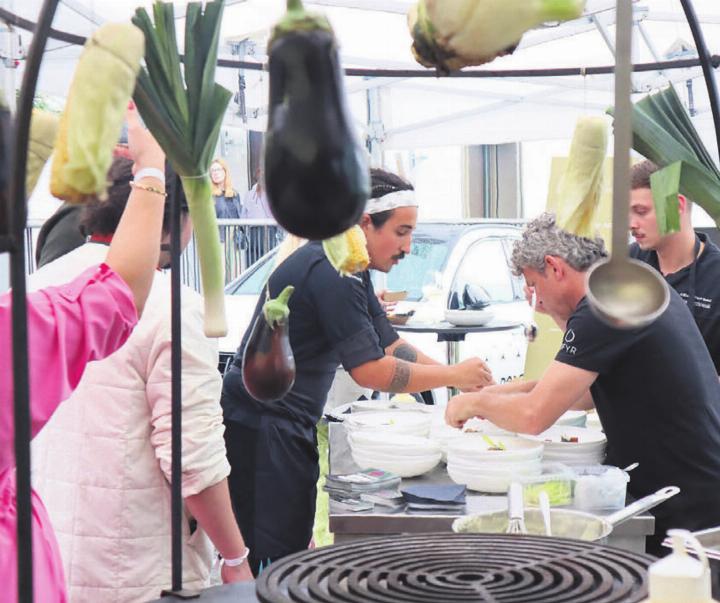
point(68, 326)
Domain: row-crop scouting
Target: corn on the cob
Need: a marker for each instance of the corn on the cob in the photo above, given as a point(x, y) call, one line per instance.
point(347, 251)
point(91, 123)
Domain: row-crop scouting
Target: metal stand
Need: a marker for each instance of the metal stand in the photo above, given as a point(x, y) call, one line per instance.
point(21, 380)
point(176, 393)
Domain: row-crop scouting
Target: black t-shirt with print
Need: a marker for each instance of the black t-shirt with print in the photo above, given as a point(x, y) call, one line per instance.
point(707, 290)
point(334, 320)
point(658, 398)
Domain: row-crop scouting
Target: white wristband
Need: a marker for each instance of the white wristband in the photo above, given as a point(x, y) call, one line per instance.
point(151, 173)
point(238, 560)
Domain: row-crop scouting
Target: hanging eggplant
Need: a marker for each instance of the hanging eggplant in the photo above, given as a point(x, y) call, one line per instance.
point(316, 173)
point(268, 365)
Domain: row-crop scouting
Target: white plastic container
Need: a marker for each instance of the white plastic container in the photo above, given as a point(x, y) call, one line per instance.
point(600, 488)
point(680, 578)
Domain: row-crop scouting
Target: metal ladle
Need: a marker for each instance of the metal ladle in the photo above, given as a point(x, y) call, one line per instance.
point(624, 292)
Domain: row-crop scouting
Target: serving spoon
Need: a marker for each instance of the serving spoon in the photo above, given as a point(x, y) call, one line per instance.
point(624, 292)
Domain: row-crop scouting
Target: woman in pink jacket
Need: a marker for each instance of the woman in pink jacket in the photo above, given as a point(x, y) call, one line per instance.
point(68, 326)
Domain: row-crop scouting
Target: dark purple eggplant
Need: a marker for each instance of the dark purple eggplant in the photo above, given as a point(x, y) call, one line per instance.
point(268, 365)
point(316, 173)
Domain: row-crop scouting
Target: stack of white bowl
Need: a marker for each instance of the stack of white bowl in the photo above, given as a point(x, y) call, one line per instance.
point(473, 461)
point(589, 449)
point(405, 455)
point(391, 421)
point(443, 434)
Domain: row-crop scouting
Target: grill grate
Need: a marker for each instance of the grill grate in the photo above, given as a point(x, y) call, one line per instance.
point(449, 568)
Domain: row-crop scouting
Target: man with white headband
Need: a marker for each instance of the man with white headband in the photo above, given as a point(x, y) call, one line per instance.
point(334, 320)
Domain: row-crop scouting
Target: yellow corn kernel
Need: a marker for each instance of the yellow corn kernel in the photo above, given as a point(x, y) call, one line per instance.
point(347, 252)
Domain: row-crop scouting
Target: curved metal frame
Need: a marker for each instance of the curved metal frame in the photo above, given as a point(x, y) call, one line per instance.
point(18, 214)
point(21, 381)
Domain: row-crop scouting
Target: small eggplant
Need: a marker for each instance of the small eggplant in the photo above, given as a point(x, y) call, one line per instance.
point(316, 173)
point(268, 365)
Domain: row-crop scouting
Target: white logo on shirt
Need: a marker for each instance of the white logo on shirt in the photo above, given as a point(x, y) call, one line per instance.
point(567, 340)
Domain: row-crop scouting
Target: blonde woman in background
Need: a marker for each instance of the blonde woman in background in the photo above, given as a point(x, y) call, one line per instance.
point(227, 207)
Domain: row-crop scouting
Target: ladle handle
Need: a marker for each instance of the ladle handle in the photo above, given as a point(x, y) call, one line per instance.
point(644, 504)
point(623, 128)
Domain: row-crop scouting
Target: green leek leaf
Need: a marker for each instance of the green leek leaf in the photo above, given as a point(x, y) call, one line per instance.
point(664, 133)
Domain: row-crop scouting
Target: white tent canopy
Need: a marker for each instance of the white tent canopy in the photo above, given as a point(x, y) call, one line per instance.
point(428, 111)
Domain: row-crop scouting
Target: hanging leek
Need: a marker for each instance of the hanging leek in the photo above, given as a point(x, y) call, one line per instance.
point(184, 110)
point(664, 133)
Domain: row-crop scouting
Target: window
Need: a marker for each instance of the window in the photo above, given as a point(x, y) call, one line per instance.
point(253, 282)
point(427, 257)
point(485, 265)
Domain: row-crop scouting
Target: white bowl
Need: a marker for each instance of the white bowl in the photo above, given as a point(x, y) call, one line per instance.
point(488, 469)
point(484, 483)
point(409, 423)
point(401, 467)
point(469, 318)
point(476, 448)
point(399, 445)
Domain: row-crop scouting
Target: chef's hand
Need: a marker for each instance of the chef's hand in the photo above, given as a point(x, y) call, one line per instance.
point(459, 409)
point(240, 573)
point(472, 375)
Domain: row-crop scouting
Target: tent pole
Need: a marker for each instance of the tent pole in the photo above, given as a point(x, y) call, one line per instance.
point(707, 65)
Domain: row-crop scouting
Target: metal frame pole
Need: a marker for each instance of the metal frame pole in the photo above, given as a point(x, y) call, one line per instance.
point(21, 380)
point(706, 61)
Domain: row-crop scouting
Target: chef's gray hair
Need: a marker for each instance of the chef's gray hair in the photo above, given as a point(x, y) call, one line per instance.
point(543, 237)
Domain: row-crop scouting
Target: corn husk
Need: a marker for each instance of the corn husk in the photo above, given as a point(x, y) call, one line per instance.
point(452, 34)
point(347, 252)
point(579, 193)
point(94, 112)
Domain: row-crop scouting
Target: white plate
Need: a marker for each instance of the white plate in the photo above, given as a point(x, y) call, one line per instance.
point(384, 405)
point(469, 318)
point(409, 423)
point(588, 439)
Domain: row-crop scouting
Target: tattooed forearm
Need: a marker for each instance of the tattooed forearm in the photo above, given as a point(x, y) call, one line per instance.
point(400, 378)
point(405, 352)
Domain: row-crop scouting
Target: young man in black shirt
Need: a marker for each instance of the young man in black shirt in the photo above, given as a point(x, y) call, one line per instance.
point(334, 320)
point(655, 388)
point(689, 261)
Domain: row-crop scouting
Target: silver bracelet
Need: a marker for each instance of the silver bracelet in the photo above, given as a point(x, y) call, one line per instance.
point(150, 173)
point(238, 560)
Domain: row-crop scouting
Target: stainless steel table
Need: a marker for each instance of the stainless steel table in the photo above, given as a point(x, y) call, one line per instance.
point(347, 526)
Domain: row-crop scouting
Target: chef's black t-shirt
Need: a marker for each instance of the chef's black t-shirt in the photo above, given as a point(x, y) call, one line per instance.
point(706, 310)
point(334, 320)
point(658, 398)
